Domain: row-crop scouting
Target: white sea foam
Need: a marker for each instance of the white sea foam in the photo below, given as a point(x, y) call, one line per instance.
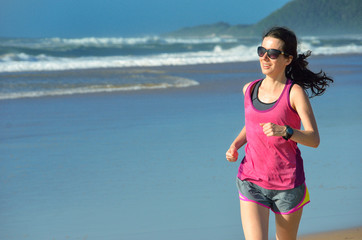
point(17, 62)
point(331, 50)
point(140, 40)
point(104, 41)
point(49, 43)
point(24, 62)
point(176, 82)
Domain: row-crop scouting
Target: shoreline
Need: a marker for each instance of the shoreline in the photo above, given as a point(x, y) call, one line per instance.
point(350, 233)
point(226, 75)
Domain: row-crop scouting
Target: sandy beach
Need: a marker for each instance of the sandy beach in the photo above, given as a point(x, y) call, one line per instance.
point(350, 234)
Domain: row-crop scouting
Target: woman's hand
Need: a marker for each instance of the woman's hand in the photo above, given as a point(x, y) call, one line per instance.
point(232, 154)
point(271, 129)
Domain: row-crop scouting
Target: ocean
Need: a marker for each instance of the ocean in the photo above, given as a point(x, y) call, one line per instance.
point(125, 138)
point(57, 66)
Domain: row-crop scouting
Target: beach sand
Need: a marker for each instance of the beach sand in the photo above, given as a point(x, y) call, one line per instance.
point(350, 234)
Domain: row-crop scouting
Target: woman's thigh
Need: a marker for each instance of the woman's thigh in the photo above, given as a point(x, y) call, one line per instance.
point(287, 225)
point(255, 220)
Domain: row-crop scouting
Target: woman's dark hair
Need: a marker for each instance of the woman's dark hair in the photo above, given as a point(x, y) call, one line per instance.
point(297, 70)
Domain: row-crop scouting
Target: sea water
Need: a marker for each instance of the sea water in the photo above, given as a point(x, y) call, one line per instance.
point(151, 164)
point(57, 66)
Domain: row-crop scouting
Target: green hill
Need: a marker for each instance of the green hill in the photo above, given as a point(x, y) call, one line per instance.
point(317, 17)
point(305, 17)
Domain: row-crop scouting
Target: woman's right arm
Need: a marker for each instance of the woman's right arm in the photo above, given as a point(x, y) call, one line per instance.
point(240, 140)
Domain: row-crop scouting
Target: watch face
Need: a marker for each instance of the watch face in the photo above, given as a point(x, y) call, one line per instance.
point(289, 132)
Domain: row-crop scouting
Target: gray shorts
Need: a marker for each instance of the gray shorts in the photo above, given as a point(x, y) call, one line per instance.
point(279, 201)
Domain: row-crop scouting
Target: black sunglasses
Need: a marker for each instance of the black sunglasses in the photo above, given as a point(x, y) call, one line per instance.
point(272, 53)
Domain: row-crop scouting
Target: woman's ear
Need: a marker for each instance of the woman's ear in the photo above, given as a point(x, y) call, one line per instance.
point(289, 60)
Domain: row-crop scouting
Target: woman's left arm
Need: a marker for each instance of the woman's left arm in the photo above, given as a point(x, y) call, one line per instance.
point(300, 102)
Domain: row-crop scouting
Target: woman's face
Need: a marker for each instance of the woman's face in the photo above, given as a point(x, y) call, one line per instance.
point(274, 68)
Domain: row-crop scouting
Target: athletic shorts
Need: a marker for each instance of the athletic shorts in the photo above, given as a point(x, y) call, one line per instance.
point(279, 201)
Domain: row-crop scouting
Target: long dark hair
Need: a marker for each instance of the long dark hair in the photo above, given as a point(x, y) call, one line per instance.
point(297, 70)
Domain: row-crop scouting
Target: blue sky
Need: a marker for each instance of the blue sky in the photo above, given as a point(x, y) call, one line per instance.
point(123, 18)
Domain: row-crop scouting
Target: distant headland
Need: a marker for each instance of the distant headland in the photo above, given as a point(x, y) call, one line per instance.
point(305, 17)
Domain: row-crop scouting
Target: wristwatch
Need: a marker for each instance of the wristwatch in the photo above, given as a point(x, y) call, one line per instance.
point(289, 132)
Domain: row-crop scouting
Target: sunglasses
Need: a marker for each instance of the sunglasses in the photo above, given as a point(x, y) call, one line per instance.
point(272, 53)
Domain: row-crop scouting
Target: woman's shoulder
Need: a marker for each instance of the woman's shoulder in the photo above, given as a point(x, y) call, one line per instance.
point(298, 95)
point(297, 90)
point(246, 87)
point(248, 84)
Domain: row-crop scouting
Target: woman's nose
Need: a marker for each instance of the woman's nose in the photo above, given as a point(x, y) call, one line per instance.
point(265, 56)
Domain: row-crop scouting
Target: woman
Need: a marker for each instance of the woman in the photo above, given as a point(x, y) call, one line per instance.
point(271, 175)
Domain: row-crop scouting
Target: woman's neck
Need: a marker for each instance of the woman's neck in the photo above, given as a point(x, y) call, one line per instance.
point(274, 83)
point(271, 89)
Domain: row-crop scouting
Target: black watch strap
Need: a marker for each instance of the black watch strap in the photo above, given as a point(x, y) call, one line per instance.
point(289, 132)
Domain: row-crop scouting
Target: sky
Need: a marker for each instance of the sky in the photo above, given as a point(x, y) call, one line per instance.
point(123, 18)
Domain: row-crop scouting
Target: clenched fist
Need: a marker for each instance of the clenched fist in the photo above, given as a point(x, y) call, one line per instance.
point(232, 154)
point(271, 129)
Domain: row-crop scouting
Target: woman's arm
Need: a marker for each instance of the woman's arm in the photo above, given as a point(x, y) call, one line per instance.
point(240, 140)
point(300, 102)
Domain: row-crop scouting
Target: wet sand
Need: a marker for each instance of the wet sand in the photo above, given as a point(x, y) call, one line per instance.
point(350, 234)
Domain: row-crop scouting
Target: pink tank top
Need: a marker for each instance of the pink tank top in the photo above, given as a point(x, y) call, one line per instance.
point(271, 162)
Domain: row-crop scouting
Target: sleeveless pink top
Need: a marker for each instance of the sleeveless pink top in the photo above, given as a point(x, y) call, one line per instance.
point(271, 162)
